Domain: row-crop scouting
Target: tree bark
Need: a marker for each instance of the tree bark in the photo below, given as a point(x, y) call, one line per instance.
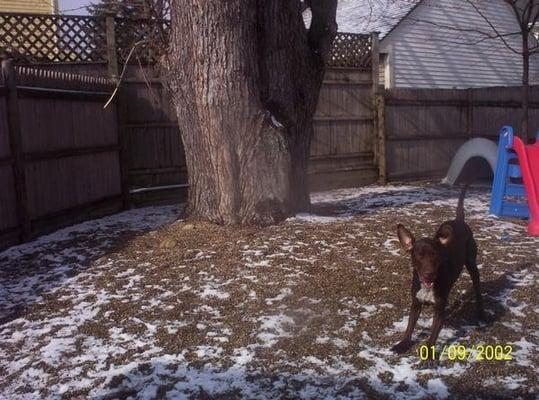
point(244, 76)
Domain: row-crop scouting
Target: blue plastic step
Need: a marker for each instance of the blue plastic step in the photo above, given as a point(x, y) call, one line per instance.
point(513, 189)
point(513, 171)
point(515, 210)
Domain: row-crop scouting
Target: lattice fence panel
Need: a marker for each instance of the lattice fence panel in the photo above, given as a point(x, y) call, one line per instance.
point(151, 35)
point(53, 38)
point(351, 50)
point(38, 38)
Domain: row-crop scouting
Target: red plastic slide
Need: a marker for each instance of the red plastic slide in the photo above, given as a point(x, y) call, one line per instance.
point(528, 158)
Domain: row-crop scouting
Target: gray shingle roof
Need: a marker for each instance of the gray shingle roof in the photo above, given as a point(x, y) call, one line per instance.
point(366, 16)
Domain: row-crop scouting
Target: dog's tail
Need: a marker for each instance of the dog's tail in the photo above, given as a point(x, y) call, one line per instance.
point(460, 206)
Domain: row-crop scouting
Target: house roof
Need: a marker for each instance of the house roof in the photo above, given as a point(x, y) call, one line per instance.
point(366, 16)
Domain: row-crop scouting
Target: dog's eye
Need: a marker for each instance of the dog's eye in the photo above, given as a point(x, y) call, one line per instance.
point(420, 252)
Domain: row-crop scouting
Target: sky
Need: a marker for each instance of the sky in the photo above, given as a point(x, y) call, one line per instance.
point(69, 5)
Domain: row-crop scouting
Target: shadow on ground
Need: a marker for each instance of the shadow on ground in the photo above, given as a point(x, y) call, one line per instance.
point(32, 269)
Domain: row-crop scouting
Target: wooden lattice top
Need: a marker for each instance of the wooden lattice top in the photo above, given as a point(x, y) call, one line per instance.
point(351, 50)
point(53, 38)
point(39, 38)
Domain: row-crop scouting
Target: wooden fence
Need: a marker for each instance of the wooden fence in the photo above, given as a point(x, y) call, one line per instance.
point(343, 145)
point(59, 151)
point(420, 130)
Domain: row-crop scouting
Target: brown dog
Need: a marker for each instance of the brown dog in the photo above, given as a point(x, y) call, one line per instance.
point(437, 264)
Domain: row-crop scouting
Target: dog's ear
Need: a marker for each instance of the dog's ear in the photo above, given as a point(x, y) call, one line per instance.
point(405, 237)
point(445, 235)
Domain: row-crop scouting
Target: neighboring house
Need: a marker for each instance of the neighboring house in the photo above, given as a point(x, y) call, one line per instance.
point(29, 6)
point(440, 43)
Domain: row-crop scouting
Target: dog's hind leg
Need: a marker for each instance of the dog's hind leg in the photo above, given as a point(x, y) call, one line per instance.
point(471, 266)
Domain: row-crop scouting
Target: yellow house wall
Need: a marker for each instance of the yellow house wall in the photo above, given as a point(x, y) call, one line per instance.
point(29, 6)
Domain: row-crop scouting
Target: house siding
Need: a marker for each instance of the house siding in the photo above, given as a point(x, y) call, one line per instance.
point(29, 6)
point(425, 53)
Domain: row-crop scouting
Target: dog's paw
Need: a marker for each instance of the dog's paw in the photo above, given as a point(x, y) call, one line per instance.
point(402, 347)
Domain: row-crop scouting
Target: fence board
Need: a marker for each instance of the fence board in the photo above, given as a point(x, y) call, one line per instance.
point(8, 209)
point(424, 120)
point(345, 99)
point(4, 133)
point(154, 148)
point(102, 131)
point(58, 184)
point(76, 128)
point(147, 103)
point(420, 159)
point(41, 116)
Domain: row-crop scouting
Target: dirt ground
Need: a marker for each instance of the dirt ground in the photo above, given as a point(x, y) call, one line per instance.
point(146, 305)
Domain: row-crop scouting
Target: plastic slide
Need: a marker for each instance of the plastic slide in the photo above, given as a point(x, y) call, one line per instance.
point(477, 147)
point(528, 158)
point(508, 197)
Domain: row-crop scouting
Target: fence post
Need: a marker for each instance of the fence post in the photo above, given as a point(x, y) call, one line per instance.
point(381, 137)
point(112, 56)
point(375, 50)
point(15, 140)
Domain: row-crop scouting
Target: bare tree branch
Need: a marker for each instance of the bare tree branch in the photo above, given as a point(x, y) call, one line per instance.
point(489, 22)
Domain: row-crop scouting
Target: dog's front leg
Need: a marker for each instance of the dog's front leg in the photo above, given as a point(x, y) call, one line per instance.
point(437, 322)
point(406, 342)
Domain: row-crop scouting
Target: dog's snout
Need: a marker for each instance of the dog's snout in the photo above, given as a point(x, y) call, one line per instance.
point(430, 277)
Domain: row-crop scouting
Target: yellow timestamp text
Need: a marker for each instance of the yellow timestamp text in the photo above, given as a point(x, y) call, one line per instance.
point(458, 352)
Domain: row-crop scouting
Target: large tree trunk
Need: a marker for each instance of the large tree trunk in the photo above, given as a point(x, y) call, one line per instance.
point(244, 76)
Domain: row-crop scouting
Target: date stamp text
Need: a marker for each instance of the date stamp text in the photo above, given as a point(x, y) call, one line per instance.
point(458, 352)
